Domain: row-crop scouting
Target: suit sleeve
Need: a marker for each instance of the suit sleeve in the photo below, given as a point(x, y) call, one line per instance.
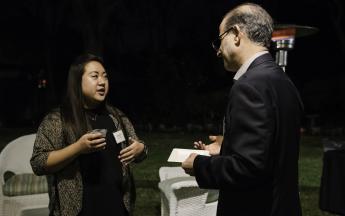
point(246, 145)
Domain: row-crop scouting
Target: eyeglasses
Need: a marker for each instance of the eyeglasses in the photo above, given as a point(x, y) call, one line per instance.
point(218, 41)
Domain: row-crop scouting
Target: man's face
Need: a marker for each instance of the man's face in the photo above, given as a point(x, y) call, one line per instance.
point(227, 48)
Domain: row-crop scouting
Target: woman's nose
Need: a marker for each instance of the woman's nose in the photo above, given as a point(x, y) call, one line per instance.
point(101, 80)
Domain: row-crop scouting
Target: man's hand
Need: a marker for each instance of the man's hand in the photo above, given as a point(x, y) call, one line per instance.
point(187, 165)
point(213, 148)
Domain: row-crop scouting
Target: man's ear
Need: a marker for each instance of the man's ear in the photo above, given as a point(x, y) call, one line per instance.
point(238, 35)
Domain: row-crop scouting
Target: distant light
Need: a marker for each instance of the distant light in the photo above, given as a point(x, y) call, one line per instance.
point(42, 83)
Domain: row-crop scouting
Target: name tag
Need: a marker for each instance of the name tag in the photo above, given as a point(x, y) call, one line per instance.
point(119, 137)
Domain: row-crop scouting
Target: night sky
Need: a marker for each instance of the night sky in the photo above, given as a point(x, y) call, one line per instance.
point(158, 54)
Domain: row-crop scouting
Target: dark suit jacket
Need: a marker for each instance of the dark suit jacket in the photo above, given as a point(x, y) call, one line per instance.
point(257, 169)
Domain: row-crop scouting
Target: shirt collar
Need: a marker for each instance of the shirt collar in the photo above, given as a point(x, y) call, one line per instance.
point(246, 64)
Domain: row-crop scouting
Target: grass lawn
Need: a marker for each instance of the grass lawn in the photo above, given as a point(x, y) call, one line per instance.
point(160, 145)
point(146, 173)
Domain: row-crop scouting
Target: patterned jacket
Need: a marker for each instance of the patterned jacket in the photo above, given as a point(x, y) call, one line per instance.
point(65, 186)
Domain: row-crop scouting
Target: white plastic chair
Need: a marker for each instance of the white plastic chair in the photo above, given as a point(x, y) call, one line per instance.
point(15, 157)
point(181, 195)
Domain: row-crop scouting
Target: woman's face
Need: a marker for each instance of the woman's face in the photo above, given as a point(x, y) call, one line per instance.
point(94, 84)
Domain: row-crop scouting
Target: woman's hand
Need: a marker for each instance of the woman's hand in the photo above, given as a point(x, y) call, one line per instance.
point(213, 148)
point(91, 142)
point(128, 154)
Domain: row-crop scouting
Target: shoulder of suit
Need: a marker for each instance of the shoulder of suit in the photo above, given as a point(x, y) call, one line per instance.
point(264, 70)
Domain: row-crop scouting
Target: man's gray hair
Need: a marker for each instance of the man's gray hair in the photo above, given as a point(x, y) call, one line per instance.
point(253, 20)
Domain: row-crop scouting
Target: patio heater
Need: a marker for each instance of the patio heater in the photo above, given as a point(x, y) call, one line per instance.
point(283, 40)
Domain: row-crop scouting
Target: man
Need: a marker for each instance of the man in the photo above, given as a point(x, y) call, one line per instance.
point(255, 163)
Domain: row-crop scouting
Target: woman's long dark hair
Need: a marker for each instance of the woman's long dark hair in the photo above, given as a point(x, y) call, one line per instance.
point(72, 108)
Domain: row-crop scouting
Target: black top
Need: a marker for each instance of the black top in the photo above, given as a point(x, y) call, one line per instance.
point(102, 173)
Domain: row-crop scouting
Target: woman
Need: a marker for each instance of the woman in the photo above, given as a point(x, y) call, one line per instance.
point(88, 174)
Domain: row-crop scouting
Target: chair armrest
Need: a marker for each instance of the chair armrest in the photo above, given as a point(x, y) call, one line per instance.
point(171, 172)
point(182, 196)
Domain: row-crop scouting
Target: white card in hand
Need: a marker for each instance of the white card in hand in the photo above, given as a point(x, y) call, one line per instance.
point(180, 155)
